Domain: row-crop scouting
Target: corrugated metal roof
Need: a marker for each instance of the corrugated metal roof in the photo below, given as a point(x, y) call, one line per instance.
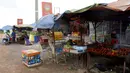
point(104, 8)
point(120, 4)
point(94, 7)
point(85, 9)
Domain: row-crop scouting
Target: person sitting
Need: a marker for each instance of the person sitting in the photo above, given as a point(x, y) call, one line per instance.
point(26, 38)
point(114, 40)
point(6, 38)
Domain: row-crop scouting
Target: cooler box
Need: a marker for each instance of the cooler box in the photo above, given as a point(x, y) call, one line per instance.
point(79, 49)
point(31, 58)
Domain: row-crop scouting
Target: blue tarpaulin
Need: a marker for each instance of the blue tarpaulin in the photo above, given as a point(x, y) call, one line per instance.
point(7, 27)
point(45, 22)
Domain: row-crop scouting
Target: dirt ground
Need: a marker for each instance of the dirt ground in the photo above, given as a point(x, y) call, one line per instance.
point(10, 62)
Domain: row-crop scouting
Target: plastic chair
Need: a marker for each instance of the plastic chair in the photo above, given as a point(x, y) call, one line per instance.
point(44, 48)
point(60, 56)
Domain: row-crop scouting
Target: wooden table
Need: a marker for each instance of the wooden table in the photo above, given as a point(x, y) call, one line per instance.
point(79, 55)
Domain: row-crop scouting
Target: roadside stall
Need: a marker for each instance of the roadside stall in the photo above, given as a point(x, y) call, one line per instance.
point(96, 15)
point(73, 45)
point(44, 27)
point(39, 35)
point(22, 31)
point(108, 19)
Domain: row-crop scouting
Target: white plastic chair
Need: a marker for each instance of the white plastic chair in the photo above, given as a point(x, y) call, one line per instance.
point(46, 52)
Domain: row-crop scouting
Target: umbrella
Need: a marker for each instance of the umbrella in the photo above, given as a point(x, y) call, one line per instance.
point(45, 22)
point(7, 27)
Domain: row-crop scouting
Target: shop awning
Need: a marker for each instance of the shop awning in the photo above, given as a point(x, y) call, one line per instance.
point(23, 26)
point(45, 22)
point(96, 10)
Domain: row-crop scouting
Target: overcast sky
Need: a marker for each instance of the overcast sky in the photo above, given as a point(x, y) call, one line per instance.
point(10, 10)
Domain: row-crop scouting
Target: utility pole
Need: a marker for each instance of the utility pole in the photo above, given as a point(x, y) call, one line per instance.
point(36, 10)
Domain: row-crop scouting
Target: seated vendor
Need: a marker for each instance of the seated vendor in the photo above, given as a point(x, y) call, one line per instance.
point(26, 38)
point(114, 41)
point(6, 37)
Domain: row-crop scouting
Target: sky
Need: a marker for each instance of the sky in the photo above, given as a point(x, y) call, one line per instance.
point(11, 10)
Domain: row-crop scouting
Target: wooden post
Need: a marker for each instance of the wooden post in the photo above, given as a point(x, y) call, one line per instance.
point(120, 31)
point(95, 31)
point(53, 41)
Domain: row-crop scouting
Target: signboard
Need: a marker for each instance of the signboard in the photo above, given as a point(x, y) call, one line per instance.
point(46, 8)
point(19, 21)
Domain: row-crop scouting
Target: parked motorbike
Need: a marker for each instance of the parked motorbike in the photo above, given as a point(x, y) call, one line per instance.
point(7, 41)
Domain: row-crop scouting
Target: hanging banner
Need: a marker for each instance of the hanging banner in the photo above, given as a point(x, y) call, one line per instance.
point(46, 8)
point(19, 21)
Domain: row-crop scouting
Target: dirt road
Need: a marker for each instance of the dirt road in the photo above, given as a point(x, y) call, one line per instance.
point(10, 62)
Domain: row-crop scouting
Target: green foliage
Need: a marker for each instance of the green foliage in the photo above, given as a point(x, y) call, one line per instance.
point(67, 46)
point(35, 33)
